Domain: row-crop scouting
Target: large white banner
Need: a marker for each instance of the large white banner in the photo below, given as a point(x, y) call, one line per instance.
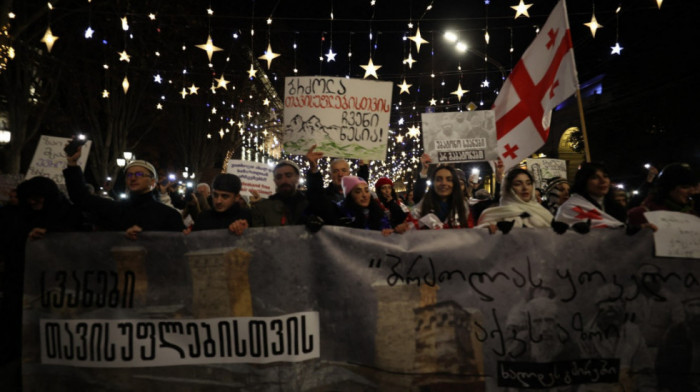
point(450, 309)
point(346, 118)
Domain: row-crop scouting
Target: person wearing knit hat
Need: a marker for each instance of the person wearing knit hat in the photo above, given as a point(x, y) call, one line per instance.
point(288, 205)
point(226, 212)
point(397, 211)
point(672, 192)
point(140, 212)
point(339, 168)
point(555, 194)
point(358, 209)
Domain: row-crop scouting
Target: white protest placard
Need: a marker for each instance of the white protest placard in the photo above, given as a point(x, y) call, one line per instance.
point(678, 234)
point(346, 118)
point(254, 176)
point(49, 158)
point(460, 136)
point(544, 169)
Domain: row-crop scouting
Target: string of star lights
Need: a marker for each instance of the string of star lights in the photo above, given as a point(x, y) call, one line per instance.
point(617, 49)
point(252, 113)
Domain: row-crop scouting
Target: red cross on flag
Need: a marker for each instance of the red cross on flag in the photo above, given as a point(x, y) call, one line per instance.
point(543, 78)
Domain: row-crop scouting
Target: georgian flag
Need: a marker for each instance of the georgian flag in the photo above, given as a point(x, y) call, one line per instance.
point(543, 78)
point(578, 209)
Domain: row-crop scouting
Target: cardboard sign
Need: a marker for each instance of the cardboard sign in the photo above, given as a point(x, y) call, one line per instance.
point(678, 234)
point(544, 169)
point(346, 118)
point(50, 159)
point(254, 176)
point(460, 136)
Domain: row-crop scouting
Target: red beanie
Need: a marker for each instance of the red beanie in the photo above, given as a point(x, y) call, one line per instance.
point(382, 181)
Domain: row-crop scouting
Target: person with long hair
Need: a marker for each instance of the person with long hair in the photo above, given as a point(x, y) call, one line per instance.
point(358, 209)
point(443, 205)
point(399, 215)
point(591, 200)
point(518, 204)
point(672, 192)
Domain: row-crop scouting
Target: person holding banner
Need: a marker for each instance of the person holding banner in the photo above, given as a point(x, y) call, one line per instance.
point(444, 205)
point(592, 200)
point(142, 211)
point(672, 192)
point(518, 204)
point(398, 212)
point(288, 205)
point(227, 212)
point(359, 209)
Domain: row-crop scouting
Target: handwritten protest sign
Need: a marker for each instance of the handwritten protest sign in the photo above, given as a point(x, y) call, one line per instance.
point(50, 159)
point(678, 234)
point(544, 169)
point(460, 136)
point(254, 176)
point(346, 118)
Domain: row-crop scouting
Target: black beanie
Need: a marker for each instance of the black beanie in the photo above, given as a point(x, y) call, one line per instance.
point(38, 186)
point(227, 183)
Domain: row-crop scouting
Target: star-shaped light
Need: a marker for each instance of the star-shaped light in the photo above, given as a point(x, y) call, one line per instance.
point(123, 56)
point(193, 89)
point(209, 47)
point(399, 138)
point(252, 71)
point(157, 79)
point(413, 132)
point(269, 55)
point(404, 87)
point(213, 88)
point(183, 92)
point(125, 84)
point(418, 39)
point(485, 83)
point(521, 9)
point(459, 92)
point(125, 24)
point(658, 3)
point(221, 82)
point(330, 56)
point(433, 102)
point(409, 61)
point(105, 93)
point(370, 69)
point(266, 102)
point(593, 25)
point(616, 49)
point(159, 106)
point(152, 16)
point(49, 39)
point(88, 32)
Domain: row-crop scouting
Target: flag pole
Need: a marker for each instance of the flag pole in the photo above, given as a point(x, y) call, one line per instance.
point(587, 152)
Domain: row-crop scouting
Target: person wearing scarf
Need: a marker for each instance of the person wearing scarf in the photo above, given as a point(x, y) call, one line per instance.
point(443, 206)
point(518, 204)
point(592, 200)
point(672, 192)
point(359, 209)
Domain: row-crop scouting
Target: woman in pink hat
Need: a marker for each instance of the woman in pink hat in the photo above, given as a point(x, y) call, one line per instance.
point(399, 215)
point(358, 209)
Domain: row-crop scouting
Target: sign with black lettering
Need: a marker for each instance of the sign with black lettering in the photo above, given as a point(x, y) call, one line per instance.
point(49, 158)
point(255, 176)
point(280, 307)
point(460, 136)
point(345, 118)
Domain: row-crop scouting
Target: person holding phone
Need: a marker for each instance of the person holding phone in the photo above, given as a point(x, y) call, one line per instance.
point(141, 211)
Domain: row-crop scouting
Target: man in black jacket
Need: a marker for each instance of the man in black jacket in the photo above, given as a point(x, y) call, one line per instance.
point(227, 211)
point(288, 205)
point(141, 211)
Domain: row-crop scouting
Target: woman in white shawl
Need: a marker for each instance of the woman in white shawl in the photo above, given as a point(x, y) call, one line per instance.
point(518, 204)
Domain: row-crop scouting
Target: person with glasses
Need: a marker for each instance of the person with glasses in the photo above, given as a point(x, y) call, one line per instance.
point(141, 211)
point(288, 205)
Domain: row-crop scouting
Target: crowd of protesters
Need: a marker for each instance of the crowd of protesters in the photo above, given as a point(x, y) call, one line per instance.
point(443, 197)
